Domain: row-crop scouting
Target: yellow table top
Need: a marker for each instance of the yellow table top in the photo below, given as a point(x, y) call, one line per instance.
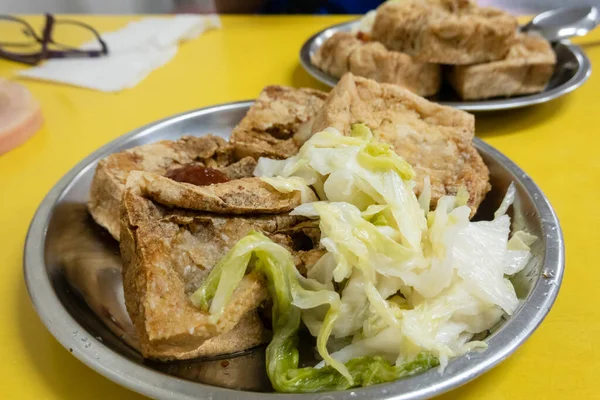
point(555, 143)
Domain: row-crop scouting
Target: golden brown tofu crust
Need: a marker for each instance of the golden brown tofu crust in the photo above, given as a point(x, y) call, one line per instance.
point(527, 69)
point(167, 253)
point(333, 57)
point(344, 52)
point(436, 140)
point(278, 122)
point(111, 173)
point(455, 32)
point(239, 196)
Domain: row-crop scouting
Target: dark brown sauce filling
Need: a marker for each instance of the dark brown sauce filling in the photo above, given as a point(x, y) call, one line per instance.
point(363, 36)
point(197, 175)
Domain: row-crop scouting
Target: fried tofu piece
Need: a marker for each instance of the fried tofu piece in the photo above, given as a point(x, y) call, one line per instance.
point(374, 61)
point(161, 157)
point(344, 52)
point(167, 253)
point(526, 69)
point(278, 123)
point(455, 32)
point(239, 196)
point(436, 140)
point(334, 54)
point(91, 266)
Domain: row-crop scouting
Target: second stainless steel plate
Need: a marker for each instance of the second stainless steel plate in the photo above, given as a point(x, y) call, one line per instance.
point(572, 70)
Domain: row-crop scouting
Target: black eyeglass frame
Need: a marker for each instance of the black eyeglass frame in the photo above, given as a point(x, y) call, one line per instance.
point(45, 40)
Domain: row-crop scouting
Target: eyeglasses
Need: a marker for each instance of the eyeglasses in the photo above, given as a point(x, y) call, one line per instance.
point(60, 38)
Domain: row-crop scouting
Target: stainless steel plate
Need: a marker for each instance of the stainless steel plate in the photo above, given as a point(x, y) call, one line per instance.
point(72, 270)
point(573, 68)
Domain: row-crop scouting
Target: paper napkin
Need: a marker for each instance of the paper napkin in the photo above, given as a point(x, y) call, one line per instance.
point(134, 52)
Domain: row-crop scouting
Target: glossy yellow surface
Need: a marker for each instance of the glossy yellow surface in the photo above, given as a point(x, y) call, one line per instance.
point(556, 143)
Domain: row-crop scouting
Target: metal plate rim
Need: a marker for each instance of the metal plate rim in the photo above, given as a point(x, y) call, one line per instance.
point(158, 385)
point(581, 76)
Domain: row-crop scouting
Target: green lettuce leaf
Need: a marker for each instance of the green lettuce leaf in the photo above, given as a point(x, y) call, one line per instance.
point(365, 371)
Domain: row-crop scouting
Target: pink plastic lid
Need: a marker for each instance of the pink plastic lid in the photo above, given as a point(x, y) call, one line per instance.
point(20, 115)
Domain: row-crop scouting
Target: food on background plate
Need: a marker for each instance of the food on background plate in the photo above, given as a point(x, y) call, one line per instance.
point(374, 61)
point(455, 32)
point(333, 57)
point(436, 140)
point(344, 52)
point(278, 122)
point(334, 232)
point(526, 69)
point(404, 43)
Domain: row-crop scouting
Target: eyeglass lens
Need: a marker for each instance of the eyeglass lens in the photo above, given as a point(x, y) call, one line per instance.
point(17, 34)
point(68, 35)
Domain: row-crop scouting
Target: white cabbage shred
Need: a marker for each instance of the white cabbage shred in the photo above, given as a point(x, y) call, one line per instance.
point(409, 279)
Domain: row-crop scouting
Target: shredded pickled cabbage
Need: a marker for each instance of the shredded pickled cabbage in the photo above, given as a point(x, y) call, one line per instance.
point(289, 292)
point(403, 286)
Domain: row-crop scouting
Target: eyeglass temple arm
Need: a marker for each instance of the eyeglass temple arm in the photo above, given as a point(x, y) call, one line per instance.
point(103, 44)
point(47, 35)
